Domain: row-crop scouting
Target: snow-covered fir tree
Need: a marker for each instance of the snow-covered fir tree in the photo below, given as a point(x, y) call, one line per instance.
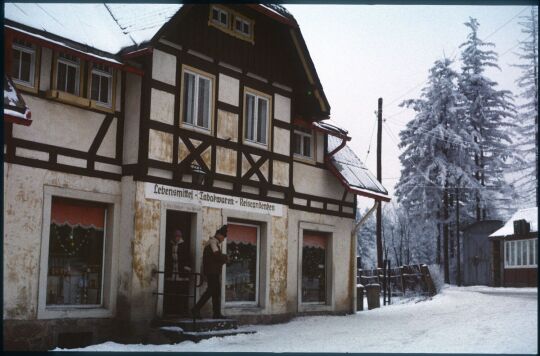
point(366, 247)
point(527, 130)
point(437, 151)
point(489, 113)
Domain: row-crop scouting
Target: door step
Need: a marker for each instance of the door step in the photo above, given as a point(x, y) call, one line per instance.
point(184, 329)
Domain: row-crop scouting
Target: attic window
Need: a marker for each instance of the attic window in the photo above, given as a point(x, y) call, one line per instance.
point(231, 22)
point(220, 16)
point(242, 26)
point(303, 143)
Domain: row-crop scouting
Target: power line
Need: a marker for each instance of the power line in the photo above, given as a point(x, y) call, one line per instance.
point(371, 138)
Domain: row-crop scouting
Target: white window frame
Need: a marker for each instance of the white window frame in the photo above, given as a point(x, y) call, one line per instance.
point(329, 305)
point(198, 74)
point(220, 11)
point(102, 73)
point(243, 21)
point(257, 95)
point(257, 277)
point(69, 63)
point(110, 260)
point(512, 253)
point(33, 53)
point(303, 134)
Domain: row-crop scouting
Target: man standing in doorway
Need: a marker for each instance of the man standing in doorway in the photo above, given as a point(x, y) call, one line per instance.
point(213, 261)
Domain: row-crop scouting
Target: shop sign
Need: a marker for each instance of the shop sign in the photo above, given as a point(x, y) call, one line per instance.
point(213, 200)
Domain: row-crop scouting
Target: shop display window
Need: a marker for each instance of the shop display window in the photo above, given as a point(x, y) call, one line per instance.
point(242, 271)
point(76, 251)
point(314, 267)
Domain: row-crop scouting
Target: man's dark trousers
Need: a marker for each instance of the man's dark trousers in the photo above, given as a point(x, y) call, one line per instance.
point(212, 291)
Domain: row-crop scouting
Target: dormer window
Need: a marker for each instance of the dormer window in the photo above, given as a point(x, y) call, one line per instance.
point(101, 85)
point(68, 69)
point(303, 143)
point(23, 66)
point(220, 16)
point(242, 26)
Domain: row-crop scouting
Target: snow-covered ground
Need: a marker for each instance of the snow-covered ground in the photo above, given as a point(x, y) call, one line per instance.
point(466, 320)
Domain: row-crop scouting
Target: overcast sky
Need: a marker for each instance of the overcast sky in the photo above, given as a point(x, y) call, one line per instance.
point(363, 52)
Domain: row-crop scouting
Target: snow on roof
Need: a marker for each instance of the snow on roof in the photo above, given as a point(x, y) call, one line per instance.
point(330, 126)
point(106, 27)
point(353, 171)
point(14, 106)
point(529, 214)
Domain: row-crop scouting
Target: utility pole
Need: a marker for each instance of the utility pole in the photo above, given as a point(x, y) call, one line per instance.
point(458, 279)
point(379, 178)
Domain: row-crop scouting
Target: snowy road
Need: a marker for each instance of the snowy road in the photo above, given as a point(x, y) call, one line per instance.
point(469, 320)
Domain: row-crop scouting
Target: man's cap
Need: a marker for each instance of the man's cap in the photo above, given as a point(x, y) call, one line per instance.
point(222, 231)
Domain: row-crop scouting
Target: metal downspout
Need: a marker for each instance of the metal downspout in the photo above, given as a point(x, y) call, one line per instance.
point(354, 231)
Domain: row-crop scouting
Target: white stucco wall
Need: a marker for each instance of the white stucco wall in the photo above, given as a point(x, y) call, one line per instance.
point(164, 67)
point(162, 106)
point(132, 118)
point(229, 89)
point(23, 213)
point(282, 141)
point(316, 181)
point(282, 108)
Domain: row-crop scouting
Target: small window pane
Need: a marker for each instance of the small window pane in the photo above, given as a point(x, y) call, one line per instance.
point(250, 116)
point(189, 97)
point(104, 93)
point(245, 28)
point(215, 14)
point(203, 114)
point(94, 91)
point(524, 246)
point(297, 144)
point(26, 63)
point(71, 83)
point(519, 248)
point(16, 64)
point(61, 76)
point(512, 253)
point(261, 125)
point(307, 146)
point(223, 18)
point(507, 254)
point(238, 25)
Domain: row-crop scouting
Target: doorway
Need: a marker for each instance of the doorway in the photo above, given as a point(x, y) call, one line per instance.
point(178, 261)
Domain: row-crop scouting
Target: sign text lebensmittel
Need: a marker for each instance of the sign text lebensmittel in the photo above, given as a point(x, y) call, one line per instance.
point(213, 200)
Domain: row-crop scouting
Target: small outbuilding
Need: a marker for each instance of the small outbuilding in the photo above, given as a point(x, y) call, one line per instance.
point(515, 250)
point(477, 260)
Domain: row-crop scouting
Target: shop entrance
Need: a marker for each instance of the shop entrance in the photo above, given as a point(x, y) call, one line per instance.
point(178, 260)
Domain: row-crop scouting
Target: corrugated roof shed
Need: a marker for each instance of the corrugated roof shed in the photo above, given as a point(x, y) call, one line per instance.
point(530, 215)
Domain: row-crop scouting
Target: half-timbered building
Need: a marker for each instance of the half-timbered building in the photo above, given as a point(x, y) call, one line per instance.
point(147, 119)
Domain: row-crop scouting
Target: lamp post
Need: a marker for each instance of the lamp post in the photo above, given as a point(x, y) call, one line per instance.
point(198, 174)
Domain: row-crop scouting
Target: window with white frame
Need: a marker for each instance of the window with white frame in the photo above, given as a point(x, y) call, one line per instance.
point(314, 267)
point(242, 269)
point(220, 16)
point(68, 69)
point(23, 64)
point(303, 143)
point(256, 114)
point(242, 26)
point(76, 252)
point(197, 99)
point(520, 253)
point(101, 84)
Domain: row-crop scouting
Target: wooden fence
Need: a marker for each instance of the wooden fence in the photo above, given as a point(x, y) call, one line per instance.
point(412, 280)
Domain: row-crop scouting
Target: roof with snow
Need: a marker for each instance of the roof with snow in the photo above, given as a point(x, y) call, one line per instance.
point(106, 27)
point(15, 109)
point(530, 215)
point(353, 173)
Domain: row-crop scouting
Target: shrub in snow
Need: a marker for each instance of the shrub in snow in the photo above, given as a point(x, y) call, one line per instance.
point(436, 276)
